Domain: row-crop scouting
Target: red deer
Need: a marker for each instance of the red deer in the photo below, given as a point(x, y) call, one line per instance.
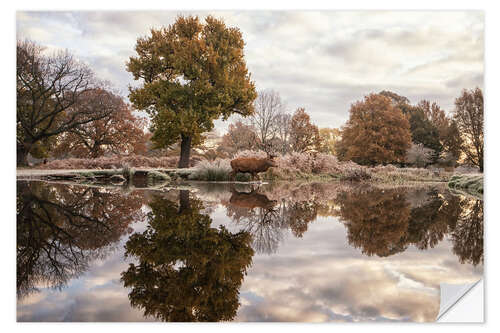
point(251, 200)
point(251, 165)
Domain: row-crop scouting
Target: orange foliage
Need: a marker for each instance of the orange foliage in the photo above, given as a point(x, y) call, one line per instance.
point(377, 132)
point(119, 132)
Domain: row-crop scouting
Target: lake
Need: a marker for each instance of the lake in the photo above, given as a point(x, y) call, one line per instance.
point(220, 252)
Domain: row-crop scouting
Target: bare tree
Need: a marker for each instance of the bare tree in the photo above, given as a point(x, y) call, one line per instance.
point(469, 117)
point(49, 87)
point(268, 106)
point(283, 130)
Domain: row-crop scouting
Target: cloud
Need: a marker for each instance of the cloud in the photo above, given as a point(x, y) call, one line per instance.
point(321, 60)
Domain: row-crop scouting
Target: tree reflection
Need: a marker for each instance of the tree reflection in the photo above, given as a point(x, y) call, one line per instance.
point(266, 220)
point(432, 220)
point(259, 216)
point(383, 222)
point(186, 270)
point(467, 234)
point(376, 220)
point(61, 228)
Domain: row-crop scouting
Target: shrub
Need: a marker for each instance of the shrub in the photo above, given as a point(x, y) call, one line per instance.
point(355, 174)
point(469, 183)
point(309, 163)
point(243, 177)
point(127, 171)
point(325, 163)
point(296, 162)
point(217, 170)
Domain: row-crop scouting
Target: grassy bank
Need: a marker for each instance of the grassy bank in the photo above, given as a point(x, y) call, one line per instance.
point(472, 184)
point(290, 167)
point(219, 171)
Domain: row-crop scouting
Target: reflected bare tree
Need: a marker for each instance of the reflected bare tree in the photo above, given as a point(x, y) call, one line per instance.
point(467, 234)
point(259, 216)
point(267, 220)
point(61, 229)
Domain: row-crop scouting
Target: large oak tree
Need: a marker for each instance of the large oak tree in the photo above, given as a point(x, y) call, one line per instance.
point(192, 74)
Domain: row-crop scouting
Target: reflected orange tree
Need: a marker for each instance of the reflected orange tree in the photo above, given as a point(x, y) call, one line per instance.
point(186, 269)
point(383, 222)
point(376, 220)
point(61, 228)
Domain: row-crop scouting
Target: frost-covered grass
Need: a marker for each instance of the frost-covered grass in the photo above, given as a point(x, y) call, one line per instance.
point(318, 166)
point(217, 170)
point(392, 174)
point(112, 162)
point(293, 166)
point(471, 183)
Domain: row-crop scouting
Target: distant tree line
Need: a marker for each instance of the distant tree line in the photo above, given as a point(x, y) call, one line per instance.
point(385, 128)
point(192, 73)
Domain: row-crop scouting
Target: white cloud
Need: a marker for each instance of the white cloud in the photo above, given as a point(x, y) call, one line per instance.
point(321, 60)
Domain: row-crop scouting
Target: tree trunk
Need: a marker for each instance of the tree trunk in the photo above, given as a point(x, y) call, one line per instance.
point(22, 154)
point(184, 203)
point(185, 151)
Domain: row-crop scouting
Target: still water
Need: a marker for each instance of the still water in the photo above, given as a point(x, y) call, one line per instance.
point(215, 252)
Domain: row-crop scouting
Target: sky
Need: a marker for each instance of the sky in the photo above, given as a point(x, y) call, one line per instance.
point(321, 60)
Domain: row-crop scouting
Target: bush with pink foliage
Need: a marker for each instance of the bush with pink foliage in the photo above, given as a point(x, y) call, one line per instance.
point(251, 153)
point(113, 162)
point(310, 163)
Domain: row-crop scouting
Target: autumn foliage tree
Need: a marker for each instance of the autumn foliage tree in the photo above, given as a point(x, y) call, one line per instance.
point(192, 73)
point(446, 129)
point(51, 98)
point(468, 115)
point(377, 132)
point(304, 136)
point(431, 127)
point(329, 138)
point(120, 132)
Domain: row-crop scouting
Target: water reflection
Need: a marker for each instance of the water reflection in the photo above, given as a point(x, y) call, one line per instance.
point(383, 221)
point(61, 229)
point(267, 219)
point(379, 221)
point(299, 252)
point(187, 270)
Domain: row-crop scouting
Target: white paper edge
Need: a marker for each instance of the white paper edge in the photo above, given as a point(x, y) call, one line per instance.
point(465, 304)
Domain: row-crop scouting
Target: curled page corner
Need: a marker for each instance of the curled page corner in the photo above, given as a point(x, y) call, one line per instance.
point(452, 305)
